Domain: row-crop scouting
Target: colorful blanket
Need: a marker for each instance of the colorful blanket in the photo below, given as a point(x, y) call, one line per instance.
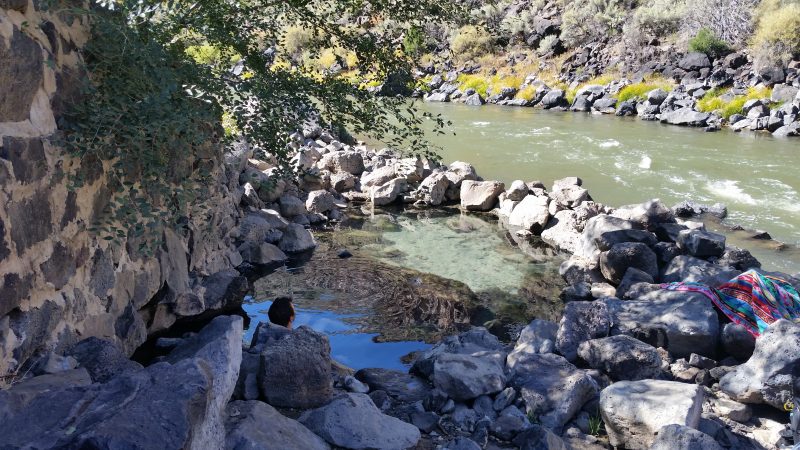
point(752, 299)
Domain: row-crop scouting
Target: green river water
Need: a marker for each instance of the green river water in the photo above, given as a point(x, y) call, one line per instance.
point(626, 160)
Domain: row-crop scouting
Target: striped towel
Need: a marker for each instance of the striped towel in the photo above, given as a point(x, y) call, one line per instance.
point(753, 300)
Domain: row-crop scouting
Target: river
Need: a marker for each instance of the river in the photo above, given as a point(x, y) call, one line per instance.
point(627, 160)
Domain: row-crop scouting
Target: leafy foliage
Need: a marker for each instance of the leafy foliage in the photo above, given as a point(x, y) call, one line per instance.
point(414, 41)
point(658, 18)
point(707, 42)
point(163, 75)
point(593, 20)
point(777, 37)
point(726, 104)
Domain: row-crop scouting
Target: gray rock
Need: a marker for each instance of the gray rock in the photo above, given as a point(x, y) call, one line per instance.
point(296, 239)
point(531, 213)
point(262, 254)
point(555, 98)
point(54, 363)
point(480, 195)
point(739, 259)
point(433, 188)
point(580, 322)
point(647, 215)
point(594, 228)
point(180, 404)
point(257, 425)
point(702, 244)
point(687, 319)
point(737, 341)
point(352, 421)
point(679, 437)
point(518, 191)
point(353, 385)
point(291, 206)
point(539, 336)
point(538, 437)
point(24, 69)
point(686, 117)
point(247, 384)
point(505, 398)
point(632, 276)
point(508, 427)
point(615, 263)
point(401, 386)
point(622, 357)
point(320, 201)
point(388, 192)
point(102, 359)
point(766, 376)
point(634, 411)
point(701, 362)
point(461, 443)
point(377, 177)
point(437, 97)
point(425, 421)
point(570, 196)
point(611, 238)
point(553, 389)
point(476, 340)
point(694, 61)
point(690, 269)
point(474, 100)
point(295, 370)
point(464, 377)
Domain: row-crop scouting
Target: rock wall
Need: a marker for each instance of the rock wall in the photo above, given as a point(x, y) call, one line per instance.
point(58, 282)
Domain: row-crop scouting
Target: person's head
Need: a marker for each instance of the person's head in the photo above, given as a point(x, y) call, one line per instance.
point(282, 312)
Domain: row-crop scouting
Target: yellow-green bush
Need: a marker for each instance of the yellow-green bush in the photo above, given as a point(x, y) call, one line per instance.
point(211, 55)
point(713, 101)
point(777, 36)
point(527, 93)
point(471, 42)
point(477, 82)
point(638, 91)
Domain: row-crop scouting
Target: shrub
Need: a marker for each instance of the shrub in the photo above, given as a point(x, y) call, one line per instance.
point(548, 44)
point(716, 101)
point(729, 20)
point(477, 82)
point(527, 93)
point(707, 42)
point(638, 91)
point(471, 42)
point(659, 17)
point(585, 21)
point(296, 39)
point(777, 36)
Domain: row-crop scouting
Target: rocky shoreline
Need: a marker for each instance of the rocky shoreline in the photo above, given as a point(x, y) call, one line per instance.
point(695, 74)
point(628, 364)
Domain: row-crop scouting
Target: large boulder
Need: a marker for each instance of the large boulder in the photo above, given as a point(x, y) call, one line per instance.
point(401, 386)
point(616, 261)
point(694, 61)
point(291, 206)
point(594, 229)
point(581, 321)
point(553, 389)
point(648, 214)
point(694, 270)
point(433, 188)
point(320, 202)
point(569, 196)
point(388, 192)
point(480, 195)
point(352, 421)
point(680, 437)
point(343, 161)
point(465, 377)
point(475, 340)
point(634, 411)
point(257, 425)
point(700, 243)
point(687, 320)
point(531, 213)
point(686, 117)
point(180, 403)
point(102, 359)
point(296, 239)
point(538, 337)
point(377, 177)
point(295, 370)
point(555, 98)
point(767, 376)
point(262, 254)
point(622, 357)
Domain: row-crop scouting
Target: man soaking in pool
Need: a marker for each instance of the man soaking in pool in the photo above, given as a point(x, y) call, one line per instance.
point(282, 312)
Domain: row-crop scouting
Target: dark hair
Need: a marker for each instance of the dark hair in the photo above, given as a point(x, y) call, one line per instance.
point(281, 312)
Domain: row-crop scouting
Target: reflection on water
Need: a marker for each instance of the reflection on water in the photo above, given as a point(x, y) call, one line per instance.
point(413, 278)
point(349, 347)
